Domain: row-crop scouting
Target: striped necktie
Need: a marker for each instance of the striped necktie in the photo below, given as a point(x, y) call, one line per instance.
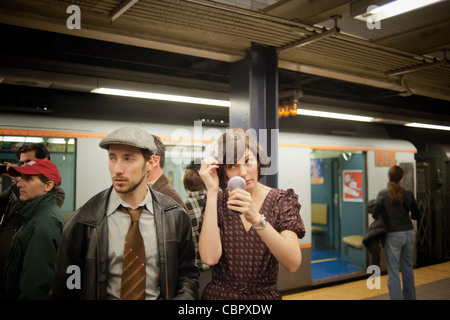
point(133, 266)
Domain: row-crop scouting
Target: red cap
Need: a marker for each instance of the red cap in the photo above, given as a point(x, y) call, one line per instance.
point(35, 167)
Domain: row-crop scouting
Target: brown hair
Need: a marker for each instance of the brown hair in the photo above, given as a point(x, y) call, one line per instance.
point(160, 151)
point(41, 151)
point(394, 187)
point(192, 181)
point(232, 146)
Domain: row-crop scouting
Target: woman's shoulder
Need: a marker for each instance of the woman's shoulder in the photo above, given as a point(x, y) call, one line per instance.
point(285, 194)
point(287, 212)
point(282, 199)
point(382, 193)
point(407, 194)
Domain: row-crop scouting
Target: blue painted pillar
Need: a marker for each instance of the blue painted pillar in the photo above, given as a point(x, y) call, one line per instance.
point(254, 100)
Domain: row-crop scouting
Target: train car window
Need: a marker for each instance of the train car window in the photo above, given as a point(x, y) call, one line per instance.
point(175, 173)
point(62, 153)
point(177, 159)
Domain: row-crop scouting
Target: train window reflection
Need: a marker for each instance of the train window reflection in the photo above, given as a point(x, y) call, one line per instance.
point(62, 153)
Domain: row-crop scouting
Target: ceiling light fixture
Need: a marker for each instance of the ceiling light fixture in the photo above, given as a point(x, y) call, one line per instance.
point(61, 141)
point(392, 9)
point(160, 96)
point(333, 115)
point(427, 126)
point(21, 139)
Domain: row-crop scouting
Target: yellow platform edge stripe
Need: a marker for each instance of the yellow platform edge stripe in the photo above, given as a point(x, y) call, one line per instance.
point(358, 290)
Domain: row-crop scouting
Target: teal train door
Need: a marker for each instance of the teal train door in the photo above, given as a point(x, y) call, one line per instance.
point(353, 213)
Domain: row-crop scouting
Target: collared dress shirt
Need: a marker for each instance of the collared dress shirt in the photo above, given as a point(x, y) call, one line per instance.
point(118, 225)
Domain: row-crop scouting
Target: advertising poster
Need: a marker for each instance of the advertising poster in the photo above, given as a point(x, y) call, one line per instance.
point(316, 171)
point(353, 185)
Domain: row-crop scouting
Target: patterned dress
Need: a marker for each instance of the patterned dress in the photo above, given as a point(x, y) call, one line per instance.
point(247, 270)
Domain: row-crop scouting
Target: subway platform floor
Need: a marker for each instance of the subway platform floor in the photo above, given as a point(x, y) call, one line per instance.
point(432, 283)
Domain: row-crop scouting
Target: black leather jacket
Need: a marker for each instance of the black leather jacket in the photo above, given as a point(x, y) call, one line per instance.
point(84, 243)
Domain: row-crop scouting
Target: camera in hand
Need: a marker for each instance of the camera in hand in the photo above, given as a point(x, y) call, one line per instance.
point(236, 182)
point(3, 168)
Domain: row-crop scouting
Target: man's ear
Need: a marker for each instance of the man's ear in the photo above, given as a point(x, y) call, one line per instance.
point(154, 161)
point(48, 186)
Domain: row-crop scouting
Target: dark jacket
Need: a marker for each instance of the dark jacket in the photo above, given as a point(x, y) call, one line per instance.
point(84, 243)
point(10, 218)
point(163, 185)
point(30, 266)
point(374, 237)
point(389, 218)
point(396, 217)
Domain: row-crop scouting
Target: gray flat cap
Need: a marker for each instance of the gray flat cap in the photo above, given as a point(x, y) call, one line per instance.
point(132, 136)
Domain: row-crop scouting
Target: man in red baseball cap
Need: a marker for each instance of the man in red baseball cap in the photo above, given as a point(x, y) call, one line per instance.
point(29, 269)
point(10, 203)
point(39, 169)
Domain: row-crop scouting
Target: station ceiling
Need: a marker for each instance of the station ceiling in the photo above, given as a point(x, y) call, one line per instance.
point(399, 69)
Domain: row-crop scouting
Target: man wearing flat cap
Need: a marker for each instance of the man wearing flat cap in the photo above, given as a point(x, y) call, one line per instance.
point(128, 242)
point(29, 268)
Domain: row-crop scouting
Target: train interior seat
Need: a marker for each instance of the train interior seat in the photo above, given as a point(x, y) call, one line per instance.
point(354, 241)
point(352, 245)
point(319, 223)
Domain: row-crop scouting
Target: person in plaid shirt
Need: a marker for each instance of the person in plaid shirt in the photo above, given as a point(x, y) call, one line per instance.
point(196, 190)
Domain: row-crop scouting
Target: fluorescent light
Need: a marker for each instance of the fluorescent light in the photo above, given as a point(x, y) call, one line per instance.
point(393, 8)
point(13, 139)
point(333, 115)
point(160, 96)
point(34, 139)
point(427, 126)
point(61, 141)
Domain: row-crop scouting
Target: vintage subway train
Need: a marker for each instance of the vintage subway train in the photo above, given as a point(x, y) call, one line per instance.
point(334, 177)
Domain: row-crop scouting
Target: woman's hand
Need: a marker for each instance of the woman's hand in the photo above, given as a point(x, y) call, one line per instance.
point(208, 173)
point(241, 201)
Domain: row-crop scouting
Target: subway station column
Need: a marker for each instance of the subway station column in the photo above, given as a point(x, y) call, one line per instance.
point(254, 100)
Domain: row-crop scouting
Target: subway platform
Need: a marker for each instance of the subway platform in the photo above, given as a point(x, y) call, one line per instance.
point(432, 283)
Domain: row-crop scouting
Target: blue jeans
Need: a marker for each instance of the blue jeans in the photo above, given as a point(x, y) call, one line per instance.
point(399, 247)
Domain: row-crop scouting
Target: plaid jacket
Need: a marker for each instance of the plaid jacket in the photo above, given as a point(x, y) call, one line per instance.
point(194, 203)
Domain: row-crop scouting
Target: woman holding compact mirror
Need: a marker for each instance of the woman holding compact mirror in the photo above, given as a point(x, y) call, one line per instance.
point(247, 232)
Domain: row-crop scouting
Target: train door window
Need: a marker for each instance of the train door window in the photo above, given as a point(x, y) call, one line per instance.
point(332, 219)
point(177, 158)
point(325, 214)
point(353, 210)
point(62, 153)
